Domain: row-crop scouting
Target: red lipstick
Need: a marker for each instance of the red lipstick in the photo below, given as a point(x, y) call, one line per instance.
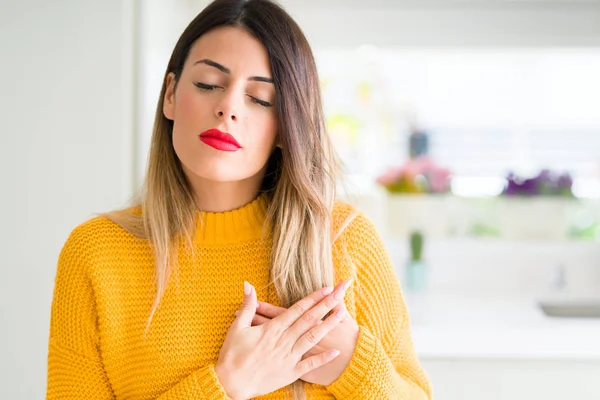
point(220, 140)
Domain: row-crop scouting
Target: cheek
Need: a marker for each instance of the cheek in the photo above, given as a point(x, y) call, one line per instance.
point(190, 107)
point(265, 133)
point(188, 123)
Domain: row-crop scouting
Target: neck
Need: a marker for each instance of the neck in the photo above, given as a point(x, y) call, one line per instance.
point(214, 196)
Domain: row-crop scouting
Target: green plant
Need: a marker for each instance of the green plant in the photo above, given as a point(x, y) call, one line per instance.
point(416, 245)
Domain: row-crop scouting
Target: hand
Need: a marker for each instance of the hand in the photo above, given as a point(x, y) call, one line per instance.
point(256, 360)
point(342, 337)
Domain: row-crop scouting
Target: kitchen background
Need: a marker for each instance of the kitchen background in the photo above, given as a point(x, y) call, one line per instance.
point(469, 132)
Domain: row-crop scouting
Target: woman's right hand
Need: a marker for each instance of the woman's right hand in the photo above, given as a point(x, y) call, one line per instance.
point(256, 360)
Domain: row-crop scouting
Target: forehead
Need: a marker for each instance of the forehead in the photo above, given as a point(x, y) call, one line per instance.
point(234, 48)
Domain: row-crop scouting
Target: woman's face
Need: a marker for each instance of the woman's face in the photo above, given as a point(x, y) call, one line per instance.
point(226, 84)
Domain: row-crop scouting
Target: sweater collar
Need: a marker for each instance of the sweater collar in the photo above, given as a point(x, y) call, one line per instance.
point(239, 225)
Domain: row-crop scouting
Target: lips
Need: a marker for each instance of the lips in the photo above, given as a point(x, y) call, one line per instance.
point(220, 140)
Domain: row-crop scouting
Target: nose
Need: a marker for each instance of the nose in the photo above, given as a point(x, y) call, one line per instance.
point(220, 114)
point(227, 106)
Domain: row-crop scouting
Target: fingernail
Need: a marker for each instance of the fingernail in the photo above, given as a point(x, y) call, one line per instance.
point(327, 290)
point(236, 312)
point(247, 288)
point(340, 314)
point(339, 294)
point(347, 284)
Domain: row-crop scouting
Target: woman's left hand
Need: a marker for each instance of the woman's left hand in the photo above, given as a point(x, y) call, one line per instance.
point(343, 338)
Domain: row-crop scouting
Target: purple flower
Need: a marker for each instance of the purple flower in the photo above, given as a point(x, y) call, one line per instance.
point(565, 181)
point(545, 183)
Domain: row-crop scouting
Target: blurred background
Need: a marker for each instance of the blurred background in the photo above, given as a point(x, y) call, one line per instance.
point(469, 132)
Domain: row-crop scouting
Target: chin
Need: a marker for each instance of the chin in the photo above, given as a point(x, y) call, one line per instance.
point(218, 174)
point(221, 171)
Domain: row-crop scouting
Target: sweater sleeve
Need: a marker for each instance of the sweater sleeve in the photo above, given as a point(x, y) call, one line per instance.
point(384, 365)
point(75, 367)
point(203, 381)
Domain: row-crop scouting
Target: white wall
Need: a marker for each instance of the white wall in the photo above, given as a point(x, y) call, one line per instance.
point(442, 23)
point(160, 25)
point(65, 153)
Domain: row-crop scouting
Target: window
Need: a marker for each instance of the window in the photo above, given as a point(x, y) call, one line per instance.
point(488, 111)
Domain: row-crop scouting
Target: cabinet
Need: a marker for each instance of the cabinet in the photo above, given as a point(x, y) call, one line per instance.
point(463, 379)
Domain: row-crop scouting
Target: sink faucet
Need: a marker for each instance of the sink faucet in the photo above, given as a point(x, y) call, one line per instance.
point(559, 278)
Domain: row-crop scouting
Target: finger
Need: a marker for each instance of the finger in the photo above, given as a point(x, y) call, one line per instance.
point(269, 310)
point(341, 306)
point(248, 308)
point(272, 311)
point(257, 320)
point(310, 318)
point(337, 307)
point(313, 362)
point(289, 316)
point(314, 335)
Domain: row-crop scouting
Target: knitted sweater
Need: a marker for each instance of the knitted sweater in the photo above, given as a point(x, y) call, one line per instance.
point(105, 286)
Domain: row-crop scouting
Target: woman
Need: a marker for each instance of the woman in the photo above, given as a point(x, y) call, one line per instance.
point(239, 193)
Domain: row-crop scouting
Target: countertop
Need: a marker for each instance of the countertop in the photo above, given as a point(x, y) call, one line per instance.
point(484, 326)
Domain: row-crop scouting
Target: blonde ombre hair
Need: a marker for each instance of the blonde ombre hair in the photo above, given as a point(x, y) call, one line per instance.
point(300, 178)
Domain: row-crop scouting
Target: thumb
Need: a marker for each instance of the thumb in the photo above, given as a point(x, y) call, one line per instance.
point(248, 308)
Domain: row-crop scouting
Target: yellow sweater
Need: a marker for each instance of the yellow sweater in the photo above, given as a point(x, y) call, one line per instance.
point(103, 293)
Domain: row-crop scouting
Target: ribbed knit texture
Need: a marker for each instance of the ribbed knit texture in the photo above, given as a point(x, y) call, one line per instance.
point(105, 286)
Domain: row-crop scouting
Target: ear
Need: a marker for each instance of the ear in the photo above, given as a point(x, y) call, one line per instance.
point(169, 100)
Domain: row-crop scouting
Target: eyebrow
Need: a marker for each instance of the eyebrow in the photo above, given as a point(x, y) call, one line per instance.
point(226, 70)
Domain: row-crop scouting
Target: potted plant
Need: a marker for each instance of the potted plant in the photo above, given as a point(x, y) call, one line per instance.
point(414, 189)
point(416, 270)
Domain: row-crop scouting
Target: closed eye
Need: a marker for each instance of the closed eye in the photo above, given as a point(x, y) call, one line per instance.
point(260, 102)
point(204, 86)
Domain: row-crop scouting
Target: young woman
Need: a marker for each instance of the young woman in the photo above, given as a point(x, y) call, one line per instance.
point(239, 193)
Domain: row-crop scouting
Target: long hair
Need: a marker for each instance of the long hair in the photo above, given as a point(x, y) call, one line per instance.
point(300, 178)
